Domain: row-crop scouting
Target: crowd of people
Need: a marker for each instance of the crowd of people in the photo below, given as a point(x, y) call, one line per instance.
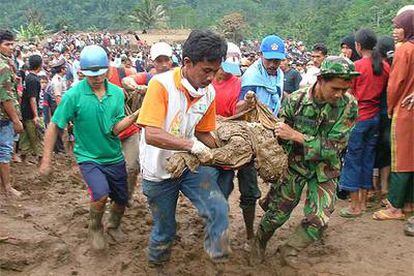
point(124, 108)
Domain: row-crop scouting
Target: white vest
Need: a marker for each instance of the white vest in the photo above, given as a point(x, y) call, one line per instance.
point(179, 122)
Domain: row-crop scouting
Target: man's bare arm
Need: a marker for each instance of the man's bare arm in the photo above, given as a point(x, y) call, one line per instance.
point(207, 139)
point(160, 138)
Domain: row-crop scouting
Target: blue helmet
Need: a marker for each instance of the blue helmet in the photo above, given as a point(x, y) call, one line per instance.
point(93, 61)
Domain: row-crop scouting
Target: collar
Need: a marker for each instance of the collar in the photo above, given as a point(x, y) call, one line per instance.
point(88, 90)
point(4, 57)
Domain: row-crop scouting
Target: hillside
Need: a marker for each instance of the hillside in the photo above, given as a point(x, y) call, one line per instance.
point(309, 20)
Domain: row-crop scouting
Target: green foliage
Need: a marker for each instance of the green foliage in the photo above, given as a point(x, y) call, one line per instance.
point(309, 20)
point(34, 29)
point(149, 14)
point(31, 32)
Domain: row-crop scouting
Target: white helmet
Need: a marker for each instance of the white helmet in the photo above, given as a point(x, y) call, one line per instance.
point(160, 49)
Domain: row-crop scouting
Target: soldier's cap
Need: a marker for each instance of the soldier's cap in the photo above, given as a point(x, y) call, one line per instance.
point(340, 67)
point(58, 63)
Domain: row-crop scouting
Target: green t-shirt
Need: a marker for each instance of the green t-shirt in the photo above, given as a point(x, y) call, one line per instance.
point(93, 121)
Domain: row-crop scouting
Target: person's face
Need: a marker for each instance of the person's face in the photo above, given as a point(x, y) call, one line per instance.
point(162, 64)
point(63, 71)
point(43, 84)
point(398, 34)
point(271, 65)
point(221, 74)
point(6, 47)
point(202, 73)
point(334, 89)
point(317, 58)
point(284, 64)
point(346, 51)
point(96, 82)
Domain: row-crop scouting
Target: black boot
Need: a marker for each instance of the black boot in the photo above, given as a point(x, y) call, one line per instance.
point(248, 216)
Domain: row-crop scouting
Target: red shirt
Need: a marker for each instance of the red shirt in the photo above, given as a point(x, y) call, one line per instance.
point(367, 88)
point(227, 95)
point(115, 78)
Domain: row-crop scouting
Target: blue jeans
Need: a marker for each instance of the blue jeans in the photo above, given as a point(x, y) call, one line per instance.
point(360, 156)
point(203, 191)
point(6, 141)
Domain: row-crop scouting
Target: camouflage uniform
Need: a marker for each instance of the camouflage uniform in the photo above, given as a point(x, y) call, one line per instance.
point(8, 85)
point(316, 163)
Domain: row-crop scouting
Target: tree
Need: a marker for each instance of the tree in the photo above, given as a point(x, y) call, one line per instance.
point(34, 30)
point(149, 14)
point(232, 26)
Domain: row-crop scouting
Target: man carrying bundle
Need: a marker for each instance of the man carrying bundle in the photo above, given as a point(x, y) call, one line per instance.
point(317, 124)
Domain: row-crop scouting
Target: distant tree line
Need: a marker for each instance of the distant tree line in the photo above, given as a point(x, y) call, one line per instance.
point(309, 20)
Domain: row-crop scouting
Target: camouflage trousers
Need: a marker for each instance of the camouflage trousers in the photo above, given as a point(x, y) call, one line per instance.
point(284, 196)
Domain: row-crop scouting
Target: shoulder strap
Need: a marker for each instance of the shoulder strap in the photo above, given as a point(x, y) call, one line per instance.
point(298, 104)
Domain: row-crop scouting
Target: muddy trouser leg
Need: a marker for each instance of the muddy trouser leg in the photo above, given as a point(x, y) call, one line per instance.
point(59, 147)
point(285, 198)
point(203, 191)
point(319, 205)
point(162, 199)
point(249, 194)
point(130, 148)
point(30, 140)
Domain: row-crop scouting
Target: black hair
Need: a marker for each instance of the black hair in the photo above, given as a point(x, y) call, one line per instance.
point(385, 48)
point(6, 35)
point(43, 77)
point(368, 39)
point(204, 45)
point(320, 47)
point(35, 62)
point(58, 69)
point(350, 42)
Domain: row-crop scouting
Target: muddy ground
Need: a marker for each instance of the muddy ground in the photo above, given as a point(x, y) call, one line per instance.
point(45, 233)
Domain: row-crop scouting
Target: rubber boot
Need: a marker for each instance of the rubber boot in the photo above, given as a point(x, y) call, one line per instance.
point(114, 222)
point(296, 242)
point(132, 181)
point(248, 216)
point(96, 236)
point(258, 246)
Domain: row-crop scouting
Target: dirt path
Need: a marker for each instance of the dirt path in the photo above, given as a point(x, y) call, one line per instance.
point(45, 233)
